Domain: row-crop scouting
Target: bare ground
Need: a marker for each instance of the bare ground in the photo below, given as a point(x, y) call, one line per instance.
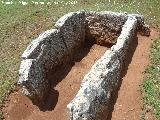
point(65, 84)
point(127, 104)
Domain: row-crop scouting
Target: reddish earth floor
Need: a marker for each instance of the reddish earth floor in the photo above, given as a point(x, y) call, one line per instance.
point(66, 84)
point(127, 105)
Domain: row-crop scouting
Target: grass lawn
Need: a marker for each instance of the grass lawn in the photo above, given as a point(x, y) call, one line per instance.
point(151, 86)
point(20, 24)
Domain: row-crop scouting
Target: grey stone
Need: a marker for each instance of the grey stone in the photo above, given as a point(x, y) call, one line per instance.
point(141, 26)
point(128, 33)
point(56, 47)
point(52, 48)
point(93, 98)
point(34, 49)
point(72, 29)
point(42, 55)
point(32, 79)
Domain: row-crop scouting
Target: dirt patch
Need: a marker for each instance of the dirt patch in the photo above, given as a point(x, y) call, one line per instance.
point(129, 104)
point(65, 85)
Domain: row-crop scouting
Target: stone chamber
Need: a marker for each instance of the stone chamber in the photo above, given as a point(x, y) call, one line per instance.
point(73, 33)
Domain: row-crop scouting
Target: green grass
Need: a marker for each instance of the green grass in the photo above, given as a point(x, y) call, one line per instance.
point(20, 24)
point(151, 86)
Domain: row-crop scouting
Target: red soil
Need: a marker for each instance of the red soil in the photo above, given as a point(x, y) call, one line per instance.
point(128, 105)
point(66, 83)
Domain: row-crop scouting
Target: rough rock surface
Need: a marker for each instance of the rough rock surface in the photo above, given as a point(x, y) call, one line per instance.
point(141, 26)
point(72, 28)
point(93, 98)
point(105, 27)
point(52, 48)
point(57, 46)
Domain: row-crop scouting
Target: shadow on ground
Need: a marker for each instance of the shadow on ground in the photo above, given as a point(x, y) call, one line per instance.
point(60, 73)
point(128, 60)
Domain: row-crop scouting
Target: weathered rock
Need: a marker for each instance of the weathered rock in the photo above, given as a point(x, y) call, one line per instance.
point(129, 32)
point(104, 27)
point(72, 29)
point(141, 26)
point(93, 98)
point(51, 49)
point(56, 47)
point(38, 60)
point(91, 102)
point(32, 78)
